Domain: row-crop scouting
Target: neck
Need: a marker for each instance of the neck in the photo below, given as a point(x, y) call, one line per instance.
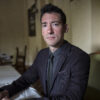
point(54, 48)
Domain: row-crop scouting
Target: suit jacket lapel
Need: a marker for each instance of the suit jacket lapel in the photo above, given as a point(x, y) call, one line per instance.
point(59, 65)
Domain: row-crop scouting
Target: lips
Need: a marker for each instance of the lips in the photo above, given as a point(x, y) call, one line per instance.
point(51, 38)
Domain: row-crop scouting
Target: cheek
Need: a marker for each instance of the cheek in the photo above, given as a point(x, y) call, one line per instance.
point(59, 33)
point(44, 35)
point(44, 31)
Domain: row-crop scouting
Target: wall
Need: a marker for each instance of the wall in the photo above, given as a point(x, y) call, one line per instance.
point(95, 25)
point(85, 24)
point(31, 40)
point(12, 26)
point(35, 43)
point(81, 24)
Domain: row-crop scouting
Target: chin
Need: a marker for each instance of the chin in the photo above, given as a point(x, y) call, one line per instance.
point(52, 45)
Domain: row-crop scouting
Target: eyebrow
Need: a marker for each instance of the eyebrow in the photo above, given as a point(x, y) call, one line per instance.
point(52, 22)
point(56, 22)
point(43, 22)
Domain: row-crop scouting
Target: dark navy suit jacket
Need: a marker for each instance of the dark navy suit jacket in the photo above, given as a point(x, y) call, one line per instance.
point(70, 78)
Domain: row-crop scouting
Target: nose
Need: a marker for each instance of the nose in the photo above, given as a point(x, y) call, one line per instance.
point(50, 30)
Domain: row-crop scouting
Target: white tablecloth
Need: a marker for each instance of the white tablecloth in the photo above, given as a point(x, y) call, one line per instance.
point(7, 75)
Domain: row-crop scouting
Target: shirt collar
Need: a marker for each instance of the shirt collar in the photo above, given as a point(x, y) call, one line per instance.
point(58, 51)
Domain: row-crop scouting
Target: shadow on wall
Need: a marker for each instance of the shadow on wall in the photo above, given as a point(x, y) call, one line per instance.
point(93, 89)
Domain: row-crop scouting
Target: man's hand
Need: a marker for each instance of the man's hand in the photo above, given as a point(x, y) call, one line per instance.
point(5, 98)
point(4, 95)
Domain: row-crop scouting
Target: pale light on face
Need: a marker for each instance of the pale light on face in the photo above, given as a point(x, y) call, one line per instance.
point(52, 29)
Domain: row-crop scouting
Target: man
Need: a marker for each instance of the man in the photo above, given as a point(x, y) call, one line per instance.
point(64, 76)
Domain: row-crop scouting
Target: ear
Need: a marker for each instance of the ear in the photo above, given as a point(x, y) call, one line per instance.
point(66, 28)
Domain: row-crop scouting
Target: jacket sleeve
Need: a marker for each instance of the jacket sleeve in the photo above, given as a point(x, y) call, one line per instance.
point(23, 82)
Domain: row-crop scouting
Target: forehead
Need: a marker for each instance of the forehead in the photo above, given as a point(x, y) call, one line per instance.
point(51, 16)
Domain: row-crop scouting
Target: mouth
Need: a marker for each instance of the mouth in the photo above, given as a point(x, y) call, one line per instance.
point(51, 38)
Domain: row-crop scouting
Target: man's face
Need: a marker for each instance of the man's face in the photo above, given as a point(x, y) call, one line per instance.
point(52, 29)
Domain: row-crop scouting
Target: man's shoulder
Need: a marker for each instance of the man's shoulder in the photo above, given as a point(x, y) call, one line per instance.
point(78, 52)
point(43, 51)
point(75, 50)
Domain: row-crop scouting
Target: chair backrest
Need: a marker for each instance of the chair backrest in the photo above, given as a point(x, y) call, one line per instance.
point(20, 58)
point(18, 53)
point(94, 76)
point(93, 90)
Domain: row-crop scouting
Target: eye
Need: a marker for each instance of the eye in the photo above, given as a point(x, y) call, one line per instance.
point(55, 24)
point(44, 25)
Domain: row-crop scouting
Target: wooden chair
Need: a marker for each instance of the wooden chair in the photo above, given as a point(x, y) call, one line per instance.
point(20, 60)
